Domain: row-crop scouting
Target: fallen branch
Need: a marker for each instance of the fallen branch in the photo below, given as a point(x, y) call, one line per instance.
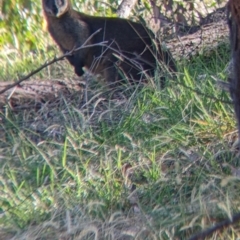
point(207, 38)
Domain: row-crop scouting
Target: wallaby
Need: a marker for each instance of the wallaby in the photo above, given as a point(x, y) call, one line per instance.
point(129, 45)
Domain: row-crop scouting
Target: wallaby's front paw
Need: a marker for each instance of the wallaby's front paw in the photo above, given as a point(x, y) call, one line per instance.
point(79, 71)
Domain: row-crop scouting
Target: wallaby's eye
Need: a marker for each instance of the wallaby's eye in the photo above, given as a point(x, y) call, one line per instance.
point(54, 9)
point(60, 3)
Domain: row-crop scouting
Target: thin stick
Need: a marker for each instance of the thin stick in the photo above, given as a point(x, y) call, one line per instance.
point(54, 60)
point(218, 226)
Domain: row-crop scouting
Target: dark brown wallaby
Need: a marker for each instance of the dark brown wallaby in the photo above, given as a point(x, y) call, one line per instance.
point(129, 45)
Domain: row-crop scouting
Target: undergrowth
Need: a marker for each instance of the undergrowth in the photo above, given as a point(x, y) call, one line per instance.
point(140, 163)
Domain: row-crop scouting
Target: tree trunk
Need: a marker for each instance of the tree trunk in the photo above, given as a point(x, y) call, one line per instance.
point(125, 8)
point(234, 26)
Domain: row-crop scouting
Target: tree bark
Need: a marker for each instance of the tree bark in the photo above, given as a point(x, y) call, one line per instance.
point(204, 39)
point(125, 8)
point(234, 26)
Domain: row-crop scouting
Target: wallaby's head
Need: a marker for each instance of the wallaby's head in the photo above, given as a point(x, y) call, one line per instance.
point(55, 8)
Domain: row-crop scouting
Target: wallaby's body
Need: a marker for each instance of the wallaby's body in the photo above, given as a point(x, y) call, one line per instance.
point(129, 45)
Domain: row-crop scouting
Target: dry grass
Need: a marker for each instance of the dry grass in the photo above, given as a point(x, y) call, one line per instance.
point(136, 163)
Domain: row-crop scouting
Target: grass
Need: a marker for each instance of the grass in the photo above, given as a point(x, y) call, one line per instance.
point(139, 164)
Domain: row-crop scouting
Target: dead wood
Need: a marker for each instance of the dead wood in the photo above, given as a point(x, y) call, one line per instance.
point(34, 93)
point(207, 38)
point(191, 40)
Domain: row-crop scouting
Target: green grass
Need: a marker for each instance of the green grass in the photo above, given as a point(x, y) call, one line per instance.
point(69, 169)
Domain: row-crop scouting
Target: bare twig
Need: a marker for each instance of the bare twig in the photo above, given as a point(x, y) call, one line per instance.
point(219, 226)
point(55, 60)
